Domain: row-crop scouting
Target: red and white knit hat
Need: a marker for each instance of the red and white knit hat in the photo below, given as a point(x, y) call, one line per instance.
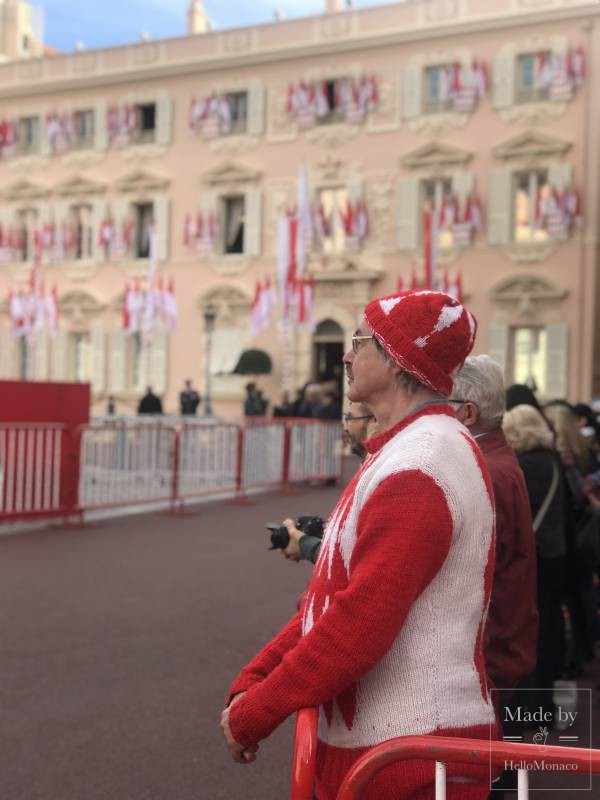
point(428, 334)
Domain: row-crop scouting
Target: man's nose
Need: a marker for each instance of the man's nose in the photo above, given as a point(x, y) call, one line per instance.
point(348, 357)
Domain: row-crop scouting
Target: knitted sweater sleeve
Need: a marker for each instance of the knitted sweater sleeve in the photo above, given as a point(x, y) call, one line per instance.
point(403, 537)
point(268, 658)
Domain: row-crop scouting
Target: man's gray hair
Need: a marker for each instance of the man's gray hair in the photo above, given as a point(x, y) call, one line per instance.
point(481, 381)
point(405, 380)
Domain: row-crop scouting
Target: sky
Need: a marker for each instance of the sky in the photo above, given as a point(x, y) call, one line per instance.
point(99, 23)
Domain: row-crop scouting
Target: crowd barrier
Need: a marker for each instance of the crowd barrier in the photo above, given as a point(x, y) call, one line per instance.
point(122, 463)
point(441, 749)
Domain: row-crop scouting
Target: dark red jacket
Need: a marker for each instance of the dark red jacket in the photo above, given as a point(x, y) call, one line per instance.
point(510, 640)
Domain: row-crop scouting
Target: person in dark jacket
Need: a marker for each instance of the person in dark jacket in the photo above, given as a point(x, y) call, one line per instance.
point(150, 403)
point(189, 400)
point(330, 407)
point(253, 405)
point(527, 431)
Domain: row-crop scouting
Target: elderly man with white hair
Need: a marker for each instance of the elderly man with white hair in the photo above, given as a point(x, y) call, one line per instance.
point(510, 640)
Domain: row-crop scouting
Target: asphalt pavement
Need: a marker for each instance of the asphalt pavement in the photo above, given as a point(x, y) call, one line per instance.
point(118, 643)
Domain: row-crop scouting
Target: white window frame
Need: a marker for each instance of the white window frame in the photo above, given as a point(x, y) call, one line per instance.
point(335, 243)
point(33, 123)
point(224, 203)
point(526, 94)
point(534, 177)
point(434, 105)
point(541, 332)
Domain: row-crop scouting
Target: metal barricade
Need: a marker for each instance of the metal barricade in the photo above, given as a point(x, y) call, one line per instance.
point(31, 457)
point(207, 458)
point(125, 465)
point(315, 450)
point(263, 454)
point(441, 749)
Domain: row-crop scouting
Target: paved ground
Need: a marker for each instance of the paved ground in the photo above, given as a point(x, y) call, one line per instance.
point(117, 646)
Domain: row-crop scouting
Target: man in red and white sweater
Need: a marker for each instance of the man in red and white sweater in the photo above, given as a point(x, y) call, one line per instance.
point(389, 642)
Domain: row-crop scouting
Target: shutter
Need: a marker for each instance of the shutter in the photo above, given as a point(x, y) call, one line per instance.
point(500, 206)
point(463, 184)
point(498, 344)
point(156, 363)
point(252, 222)
point(98, 215)
point(100, 126)
point(556, 361)
point(164, 119)
point(45, 148)
point(161, 224)
point(408, 213)
point(356, 188)
point(59, 355)
point(117, 364)
point(560, 176)
point(412, 81)
point(98, 359)
point(503, 80)
point(256, 108)
point(37, 357)
point(8, 355)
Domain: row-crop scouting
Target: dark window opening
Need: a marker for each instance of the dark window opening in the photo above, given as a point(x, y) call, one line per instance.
point(238, 107)
point(147, 117)
point(234, 211)
point(144, 213)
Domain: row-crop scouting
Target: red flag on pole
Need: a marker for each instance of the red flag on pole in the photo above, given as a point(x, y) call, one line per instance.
point(399, 285)
point(413, 283)
point(428, 246)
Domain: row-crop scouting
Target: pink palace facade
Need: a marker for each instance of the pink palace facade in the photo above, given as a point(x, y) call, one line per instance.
point(483, 110)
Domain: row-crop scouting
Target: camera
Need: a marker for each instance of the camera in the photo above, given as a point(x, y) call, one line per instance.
point(309, 525)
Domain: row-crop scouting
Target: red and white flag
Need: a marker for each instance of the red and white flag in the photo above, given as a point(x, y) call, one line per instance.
point(170, 307)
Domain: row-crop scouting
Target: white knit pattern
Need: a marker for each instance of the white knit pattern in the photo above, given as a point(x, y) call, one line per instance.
point(427, 679)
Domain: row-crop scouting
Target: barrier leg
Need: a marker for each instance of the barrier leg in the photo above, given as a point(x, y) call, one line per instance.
point(177, 506)
point(241, 498)
point(286, 487)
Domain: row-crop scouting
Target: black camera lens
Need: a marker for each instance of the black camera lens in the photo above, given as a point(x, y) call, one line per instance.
point(280, 536)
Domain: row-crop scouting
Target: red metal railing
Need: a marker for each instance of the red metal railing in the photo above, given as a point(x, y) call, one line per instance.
point(46, 471)
point(441, 749)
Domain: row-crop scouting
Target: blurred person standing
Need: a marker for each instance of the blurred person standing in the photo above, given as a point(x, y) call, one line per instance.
point(150, 403)
point(528, 433)
point(253, 405)
point(189, 400)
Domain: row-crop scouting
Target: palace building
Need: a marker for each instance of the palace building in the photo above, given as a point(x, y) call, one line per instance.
point(186, 153)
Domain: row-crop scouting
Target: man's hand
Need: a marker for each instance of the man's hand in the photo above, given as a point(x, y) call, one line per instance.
point(240, 754)
point(292, 551)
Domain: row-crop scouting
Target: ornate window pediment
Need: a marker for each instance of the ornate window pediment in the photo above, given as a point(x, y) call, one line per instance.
point(227, 300)
point(231, 174)
point(523, 293)
point(531, 144)
point(79, 306)
point(437, 156)
point(140, 180)
point(25, 189)
point(78, 187)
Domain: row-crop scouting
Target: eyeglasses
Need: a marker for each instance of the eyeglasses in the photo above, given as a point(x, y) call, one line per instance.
point(462, 402)
point(357, 339)
point(351, 418)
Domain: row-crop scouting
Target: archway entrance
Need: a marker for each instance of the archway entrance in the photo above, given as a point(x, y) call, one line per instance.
point(328, 351)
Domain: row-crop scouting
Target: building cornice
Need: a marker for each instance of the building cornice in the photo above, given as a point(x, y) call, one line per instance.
point(328, 34)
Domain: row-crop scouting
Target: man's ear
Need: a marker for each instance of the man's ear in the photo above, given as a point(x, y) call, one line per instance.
point(472, 414)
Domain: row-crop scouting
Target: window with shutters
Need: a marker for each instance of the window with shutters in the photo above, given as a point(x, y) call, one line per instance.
point(438, 195)
point(29, 135)
point(233, 216)
point(134, 355)
point(437, 90)
point(331, 222)
point(24, 235)
point(528, 357)
point(79, 242)
point(331, 105)
point(238, 111)
point(84, 129)
point(533, 77)
point(143, 216)
point(80, 358)
point(531, 195)
point(146, 113)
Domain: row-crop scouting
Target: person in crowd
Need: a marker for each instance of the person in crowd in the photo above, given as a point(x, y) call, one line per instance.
point(359, 425)
point(580, 595)
point(189, 400)
point(253, 405)
point(510, 638)
point(150, 403)
point(263, 402)
point(110, 406)
point(285, 408)
point(528, 433)
point(389, 637)
point(330, 407)
point(310, 404)
point(520, 394)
